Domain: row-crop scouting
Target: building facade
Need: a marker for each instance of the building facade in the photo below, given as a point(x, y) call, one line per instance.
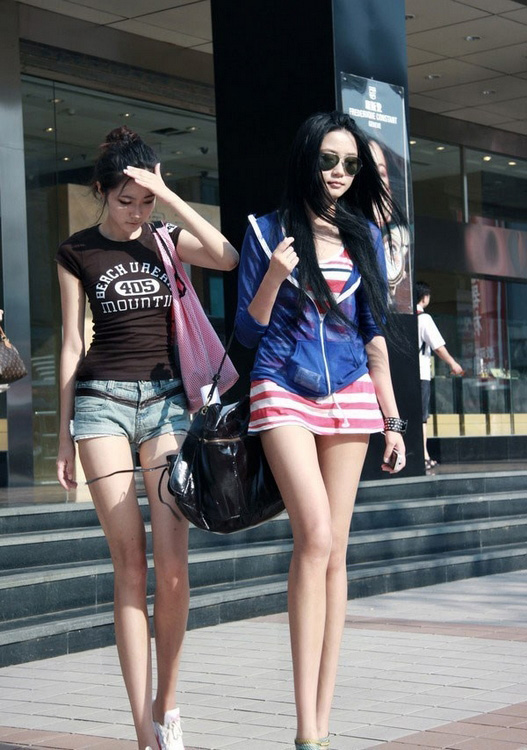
point(65, 82)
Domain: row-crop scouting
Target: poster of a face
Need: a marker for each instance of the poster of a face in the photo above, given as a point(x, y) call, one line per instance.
point(378, 109)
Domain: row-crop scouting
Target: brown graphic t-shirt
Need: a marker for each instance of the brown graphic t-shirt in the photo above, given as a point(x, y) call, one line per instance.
point(131, 304)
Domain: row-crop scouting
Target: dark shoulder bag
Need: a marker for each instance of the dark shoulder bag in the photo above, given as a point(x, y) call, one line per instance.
point(220, 479)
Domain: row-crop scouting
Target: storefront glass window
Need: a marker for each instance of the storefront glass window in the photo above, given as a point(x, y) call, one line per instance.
point(483, 320)
point(497, 189)
point(484, 324)
point(517, 319)
point(63, 127)
point(436, 178)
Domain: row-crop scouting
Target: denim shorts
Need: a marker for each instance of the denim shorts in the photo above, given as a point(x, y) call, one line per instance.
point(139, 410)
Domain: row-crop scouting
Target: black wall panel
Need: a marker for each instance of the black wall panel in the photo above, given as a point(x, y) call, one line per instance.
point(276, 62)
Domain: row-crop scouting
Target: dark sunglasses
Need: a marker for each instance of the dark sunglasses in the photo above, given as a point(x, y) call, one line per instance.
point(327, 161)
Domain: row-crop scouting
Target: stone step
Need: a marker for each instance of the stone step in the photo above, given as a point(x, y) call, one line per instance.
point(29, 518)
point(427, 570)
point(70, 544)
point(50, 588)
point(26, 518)
point(389, 513)
point(443, 485)
point(84, 628)
point(73, 545)
point(410, 541)
point(56, 579)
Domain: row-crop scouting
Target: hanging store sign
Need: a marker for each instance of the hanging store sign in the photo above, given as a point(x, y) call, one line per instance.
point(378, 109)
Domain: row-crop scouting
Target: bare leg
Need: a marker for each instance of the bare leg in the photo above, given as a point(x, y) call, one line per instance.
point(170, 538)
point(318, 478)
point(292, 455)
point(341, 459)
point(115, 500)
point(427, 455)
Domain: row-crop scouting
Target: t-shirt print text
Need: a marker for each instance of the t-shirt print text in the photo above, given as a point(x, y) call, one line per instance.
point(133, 286)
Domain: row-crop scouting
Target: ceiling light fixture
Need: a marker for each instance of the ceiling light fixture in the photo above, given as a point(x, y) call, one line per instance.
point(487, 158)
point(511, 163)
point(472, 38)
point(488, 92)
point(55, 101)
point(65, 158)
point(440, 148)
point(432, 76)
point(192, 128)
point(49, 130)
point(412, 143)
point(126, 114)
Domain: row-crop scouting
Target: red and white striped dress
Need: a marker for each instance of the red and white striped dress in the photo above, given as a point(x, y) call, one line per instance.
point(352, 410)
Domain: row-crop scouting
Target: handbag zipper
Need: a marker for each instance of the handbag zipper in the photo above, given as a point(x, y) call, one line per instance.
point(221, 440)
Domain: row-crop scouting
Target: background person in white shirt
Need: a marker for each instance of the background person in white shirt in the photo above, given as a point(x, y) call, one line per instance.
point(430, 341)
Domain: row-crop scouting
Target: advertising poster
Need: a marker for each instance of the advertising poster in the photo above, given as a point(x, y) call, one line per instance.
point(378, 109)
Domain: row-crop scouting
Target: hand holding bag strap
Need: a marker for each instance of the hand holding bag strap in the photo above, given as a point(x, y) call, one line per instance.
point(200, 349)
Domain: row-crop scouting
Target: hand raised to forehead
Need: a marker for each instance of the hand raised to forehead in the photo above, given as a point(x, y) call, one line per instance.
point(149, 180)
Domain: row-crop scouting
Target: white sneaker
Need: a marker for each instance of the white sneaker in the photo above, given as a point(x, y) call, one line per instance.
point(169, 734)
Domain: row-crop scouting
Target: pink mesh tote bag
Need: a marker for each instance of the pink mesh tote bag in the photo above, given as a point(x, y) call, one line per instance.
point(200, 350)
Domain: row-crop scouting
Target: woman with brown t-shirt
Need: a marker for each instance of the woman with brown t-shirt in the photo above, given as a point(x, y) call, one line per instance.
point(127, 390)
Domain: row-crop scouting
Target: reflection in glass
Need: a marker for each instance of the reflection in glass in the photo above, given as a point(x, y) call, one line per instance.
point(44, 220)
point(63, 127)
point(484, 323)
point(436, 179)
point(497, 189)
point(517, 319)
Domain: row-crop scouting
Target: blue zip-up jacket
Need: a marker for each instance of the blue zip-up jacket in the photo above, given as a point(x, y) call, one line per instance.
point(313, 355)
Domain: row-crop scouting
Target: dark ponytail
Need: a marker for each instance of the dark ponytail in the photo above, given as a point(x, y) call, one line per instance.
point(122, 148)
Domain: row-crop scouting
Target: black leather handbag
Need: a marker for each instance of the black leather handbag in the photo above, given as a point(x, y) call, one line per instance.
point(220, 479)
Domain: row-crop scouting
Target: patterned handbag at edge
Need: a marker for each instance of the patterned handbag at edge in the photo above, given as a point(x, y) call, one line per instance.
point(12, 366)
point(199, 348)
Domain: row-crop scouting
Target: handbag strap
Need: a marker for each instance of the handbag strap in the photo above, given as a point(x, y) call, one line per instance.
point(181, 290)
point(180, 284)
point(4, 338)
point(216, 377)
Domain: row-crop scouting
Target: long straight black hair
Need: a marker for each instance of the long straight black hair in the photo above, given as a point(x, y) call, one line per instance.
point(366, 200)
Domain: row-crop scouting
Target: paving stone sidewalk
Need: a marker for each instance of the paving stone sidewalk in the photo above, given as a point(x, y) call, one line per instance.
point(438, 667)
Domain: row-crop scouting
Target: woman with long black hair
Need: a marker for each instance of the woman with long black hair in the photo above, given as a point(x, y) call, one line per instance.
point(313, 298)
